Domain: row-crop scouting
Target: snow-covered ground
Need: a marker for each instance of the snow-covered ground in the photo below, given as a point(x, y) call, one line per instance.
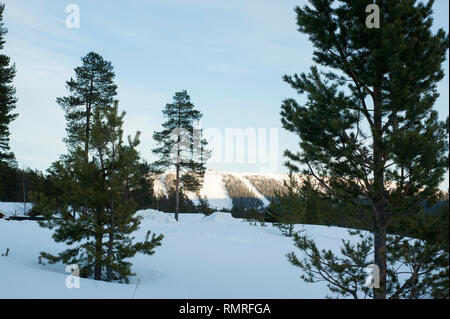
point(200, 257)
point(10, 209)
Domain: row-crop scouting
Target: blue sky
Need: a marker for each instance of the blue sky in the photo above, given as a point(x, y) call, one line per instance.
point(229, 56)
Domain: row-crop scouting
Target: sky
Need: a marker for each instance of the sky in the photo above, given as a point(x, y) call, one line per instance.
point(230, 56)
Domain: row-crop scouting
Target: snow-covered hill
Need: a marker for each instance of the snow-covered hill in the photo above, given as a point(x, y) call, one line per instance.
point(215, 190)
point(201, 257)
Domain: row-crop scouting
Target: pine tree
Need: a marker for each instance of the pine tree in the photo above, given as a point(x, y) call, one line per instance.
point(97, 191)
point(121, 168)
point(368, 129)
point(7, 97)
point(289, 207)
point(141, 189)
point(203, 206)
point(92, 88)
point(181, 146)
point(417, 260)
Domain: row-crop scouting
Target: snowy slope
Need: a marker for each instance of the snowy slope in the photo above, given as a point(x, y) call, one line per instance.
point(214, 187)
point(200, 257)
point(252, 189)
point(159, 187)
point(214, 190)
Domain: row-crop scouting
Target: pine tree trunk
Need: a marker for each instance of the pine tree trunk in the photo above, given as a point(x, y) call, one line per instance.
point(98, 249)
point(88, 123)
point(177, 187)
point(98, 254)
point(110, 245)
point(111, 235)
point(111, 218)
point(88, 118)
point(177, 193)
point(24, 193)
point(86, 142)
point(379, 196)
point(380, 256)
point(380, 229)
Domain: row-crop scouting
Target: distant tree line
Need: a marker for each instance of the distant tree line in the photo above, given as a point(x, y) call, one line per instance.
point(267, 186)
point(16, 183)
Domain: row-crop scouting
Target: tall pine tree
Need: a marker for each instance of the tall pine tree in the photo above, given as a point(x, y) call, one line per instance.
point(7, 97)
point(99, 240)
point(181, 146)
point(368, 129)
point(93, 87)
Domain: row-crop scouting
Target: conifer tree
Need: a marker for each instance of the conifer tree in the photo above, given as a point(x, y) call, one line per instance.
point(98, 191)
point(93, 87)
point(120, 170)
point(203, 206)
point(181, 146)
point(7, 97)
point(417, 260)
point(288, 208)
point(368, 129)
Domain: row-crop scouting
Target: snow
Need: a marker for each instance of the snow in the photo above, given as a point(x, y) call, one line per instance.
point(275, 176)
point(255, 191)
point(157, 216)
point(159, 187)
point(216, 256)
point(192, 196)
point(9, 209)
point(219, 217)
point(214, 190)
